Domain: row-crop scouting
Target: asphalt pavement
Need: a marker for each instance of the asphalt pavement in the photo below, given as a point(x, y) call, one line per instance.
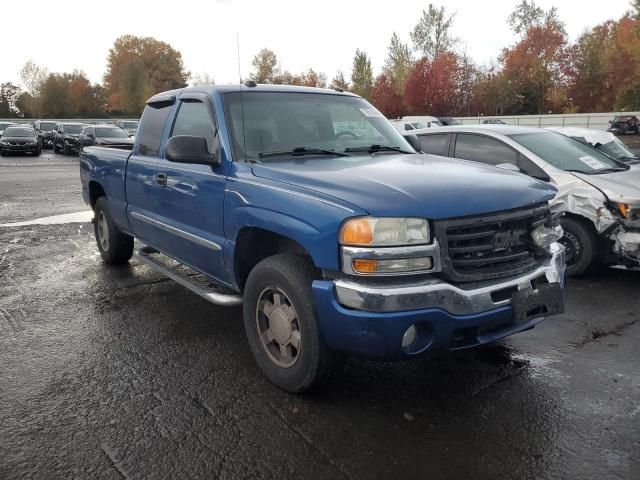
point(120, 373)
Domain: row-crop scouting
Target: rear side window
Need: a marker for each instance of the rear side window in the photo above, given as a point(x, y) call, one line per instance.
point(193, 119)
point(484, 149)
point(434, 144)
point(150, 135)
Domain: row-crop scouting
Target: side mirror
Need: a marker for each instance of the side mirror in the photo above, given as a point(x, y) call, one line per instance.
point(508, 166)
point(189, 149)
point(414, 141)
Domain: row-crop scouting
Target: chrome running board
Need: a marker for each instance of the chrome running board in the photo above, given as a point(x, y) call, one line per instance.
point(197, 282)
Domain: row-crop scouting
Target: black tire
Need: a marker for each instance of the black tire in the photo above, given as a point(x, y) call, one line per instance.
point(54, 147)
point(65, 149)
point(116, 248)
point(581, 246)
point(291, 275)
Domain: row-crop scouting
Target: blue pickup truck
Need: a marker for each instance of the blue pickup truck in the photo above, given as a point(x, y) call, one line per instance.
point(307, 207)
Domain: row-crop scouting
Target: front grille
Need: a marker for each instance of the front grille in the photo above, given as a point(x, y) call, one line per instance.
point(490, 246)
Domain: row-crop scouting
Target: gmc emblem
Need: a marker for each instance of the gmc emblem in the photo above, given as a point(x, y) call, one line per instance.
point(504, 240)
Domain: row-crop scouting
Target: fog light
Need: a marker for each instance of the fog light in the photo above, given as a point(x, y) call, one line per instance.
point(409, 337)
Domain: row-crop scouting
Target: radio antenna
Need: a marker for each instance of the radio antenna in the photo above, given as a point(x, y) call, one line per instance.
point(238, 47)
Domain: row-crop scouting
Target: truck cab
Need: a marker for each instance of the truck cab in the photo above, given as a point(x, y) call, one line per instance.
point(309, 209)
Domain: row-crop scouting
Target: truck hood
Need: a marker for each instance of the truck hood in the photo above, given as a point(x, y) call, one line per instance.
point(411, 185)
point(617, 186)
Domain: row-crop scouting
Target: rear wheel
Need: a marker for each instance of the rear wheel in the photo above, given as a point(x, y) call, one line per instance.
point(281, 324)
point(580, 244)
point(115, 247)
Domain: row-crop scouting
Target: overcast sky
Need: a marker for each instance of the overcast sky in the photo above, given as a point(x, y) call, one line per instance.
point(320, 35)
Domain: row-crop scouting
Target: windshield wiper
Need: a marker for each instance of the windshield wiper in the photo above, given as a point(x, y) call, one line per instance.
point(377, 148)
point(300, 151)
point(611, 170)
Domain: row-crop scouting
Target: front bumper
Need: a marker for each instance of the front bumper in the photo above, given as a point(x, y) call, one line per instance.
point(19, 148)
point(369, 320)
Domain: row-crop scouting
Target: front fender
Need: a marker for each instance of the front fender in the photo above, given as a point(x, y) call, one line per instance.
point(312, 222)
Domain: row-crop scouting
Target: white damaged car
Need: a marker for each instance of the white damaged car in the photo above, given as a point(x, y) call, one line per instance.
point(598, 196)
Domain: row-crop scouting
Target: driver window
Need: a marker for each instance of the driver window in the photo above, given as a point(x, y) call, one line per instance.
point(193, 119)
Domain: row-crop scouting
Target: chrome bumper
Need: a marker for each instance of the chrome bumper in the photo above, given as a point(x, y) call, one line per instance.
point(461, 299)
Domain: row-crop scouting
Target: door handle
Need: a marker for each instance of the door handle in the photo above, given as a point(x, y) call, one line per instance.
point(161, 179)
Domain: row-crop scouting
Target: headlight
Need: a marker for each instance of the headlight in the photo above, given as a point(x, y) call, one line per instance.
point(377, 232)
point(388, 246)
point(544, 236)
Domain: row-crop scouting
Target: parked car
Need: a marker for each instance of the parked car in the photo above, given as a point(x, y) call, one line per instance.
point(493, 121)
point(606, 142)
point(334, 243)
point(66, 137)
point(4, 125)
point(599, 196)
point(622, 124)
point(20, 139)
point(447, 121)
point(45, 131)
point(407, 124)
point(105, 135)
point(131, 126)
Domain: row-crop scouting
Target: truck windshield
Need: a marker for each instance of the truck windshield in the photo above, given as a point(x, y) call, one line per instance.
point(266, 122)
point(566, 153)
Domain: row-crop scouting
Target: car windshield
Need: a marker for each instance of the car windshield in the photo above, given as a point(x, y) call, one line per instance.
point(621, 119)
point(130, 124)
point(110, 132)
point(73, 129)
point(269, 122)
point(47, 126)
point(18, 132)
point(4, 125)
point(616, 149)
point(565, 153)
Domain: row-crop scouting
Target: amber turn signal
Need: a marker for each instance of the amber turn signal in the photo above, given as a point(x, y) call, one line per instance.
point(356, 232)
point(623, 208)
point(362, 265)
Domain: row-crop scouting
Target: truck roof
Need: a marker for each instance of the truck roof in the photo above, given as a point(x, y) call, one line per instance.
point(211, 89)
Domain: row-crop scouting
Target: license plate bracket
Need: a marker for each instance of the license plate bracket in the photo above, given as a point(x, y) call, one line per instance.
point(544, 301)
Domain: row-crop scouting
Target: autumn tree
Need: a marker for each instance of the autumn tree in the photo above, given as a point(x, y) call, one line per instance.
point(589, 69)
point(432, 35)
point(32, 77)
point(362, 74)
point(202, 79)
point(398, 63)
point(139, 67)
point(9, 94)
point(385, 97)
point(536, 65)
point(339, 81)
point(431, 87)
point(265, 64)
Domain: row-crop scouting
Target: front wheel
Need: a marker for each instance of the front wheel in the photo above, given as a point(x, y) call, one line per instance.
point(54, 146)
point(65, 149)
point(115, 247)
point(281, 324)
point(580, 245)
